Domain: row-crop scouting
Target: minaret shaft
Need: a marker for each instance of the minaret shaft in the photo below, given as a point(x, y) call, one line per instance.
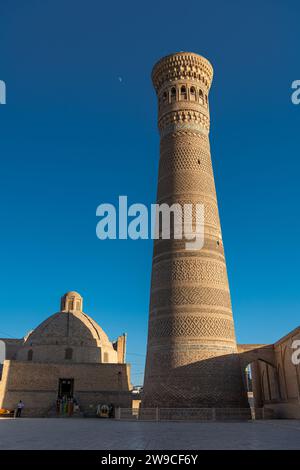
point(192, 354)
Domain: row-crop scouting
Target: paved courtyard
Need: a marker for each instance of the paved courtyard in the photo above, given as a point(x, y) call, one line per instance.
point(97, 434)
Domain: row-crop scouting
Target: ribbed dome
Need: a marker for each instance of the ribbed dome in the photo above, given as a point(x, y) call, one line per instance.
point(76, 327)
point(69, 335)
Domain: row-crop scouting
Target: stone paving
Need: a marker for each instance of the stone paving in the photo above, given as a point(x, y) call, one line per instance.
point(98, 434)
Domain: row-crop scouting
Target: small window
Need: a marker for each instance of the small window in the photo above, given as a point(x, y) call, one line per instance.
point(71, 305)
point(30, 355)
point(165, 96)
point(173, 94)
point(105, 357)
point(201, 96)
point(69, 353)
point(193, 94)
point(183, 93)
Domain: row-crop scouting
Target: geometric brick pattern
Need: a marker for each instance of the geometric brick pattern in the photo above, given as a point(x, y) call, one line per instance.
point(188, 183)
point(191, 327)
point(164, 248)
point(211, 214)
point(189, 296)
point(193, 159)
point(189, 270)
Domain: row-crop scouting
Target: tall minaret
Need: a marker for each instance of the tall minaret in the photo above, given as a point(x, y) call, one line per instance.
point(192, 358)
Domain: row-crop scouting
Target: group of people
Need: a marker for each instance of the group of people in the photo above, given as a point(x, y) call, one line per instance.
point(66, 406)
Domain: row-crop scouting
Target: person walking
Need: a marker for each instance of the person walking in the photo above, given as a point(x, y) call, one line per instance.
point(20, 407)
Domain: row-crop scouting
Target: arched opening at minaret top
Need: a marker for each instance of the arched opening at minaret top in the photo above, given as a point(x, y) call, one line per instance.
point(192, 94)
point(173, 94)
point(183, 93)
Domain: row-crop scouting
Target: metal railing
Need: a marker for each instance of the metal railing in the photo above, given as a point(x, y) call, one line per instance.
point(192, 414)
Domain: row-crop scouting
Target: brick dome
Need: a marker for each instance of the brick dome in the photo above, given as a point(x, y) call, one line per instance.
point(75, 327)
point(68, 335)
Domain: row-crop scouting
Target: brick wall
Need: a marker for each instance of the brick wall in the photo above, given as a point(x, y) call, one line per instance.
point(36, 384)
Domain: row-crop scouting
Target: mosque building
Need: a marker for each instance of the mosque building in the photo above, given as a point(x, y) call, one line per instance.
point(68, 356)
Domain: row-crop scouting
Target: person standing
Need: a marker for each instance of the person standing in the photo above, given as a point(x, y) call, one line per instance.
point(20, 407)
point(111, 413)
point(58, 406)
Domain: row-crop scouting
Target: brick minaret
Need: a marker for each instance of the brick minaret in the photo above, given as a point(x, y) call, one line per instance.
point(192, 358)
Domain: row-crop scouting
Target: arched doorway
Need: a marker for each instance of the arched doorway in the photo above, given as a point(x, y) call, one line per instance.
point(262, 385)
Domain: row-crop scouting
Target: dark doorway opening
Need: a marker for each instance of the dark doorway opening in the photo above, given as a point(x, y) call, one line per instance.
point(66, 388)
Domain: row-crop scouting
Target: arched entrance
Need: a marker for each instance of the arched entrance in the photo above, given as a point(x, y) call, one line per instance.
point(260, 378)
point(262, 384)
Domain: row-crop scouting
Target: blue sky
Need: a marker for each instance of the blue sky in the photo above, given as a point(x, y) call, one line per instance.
point(73, 135)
